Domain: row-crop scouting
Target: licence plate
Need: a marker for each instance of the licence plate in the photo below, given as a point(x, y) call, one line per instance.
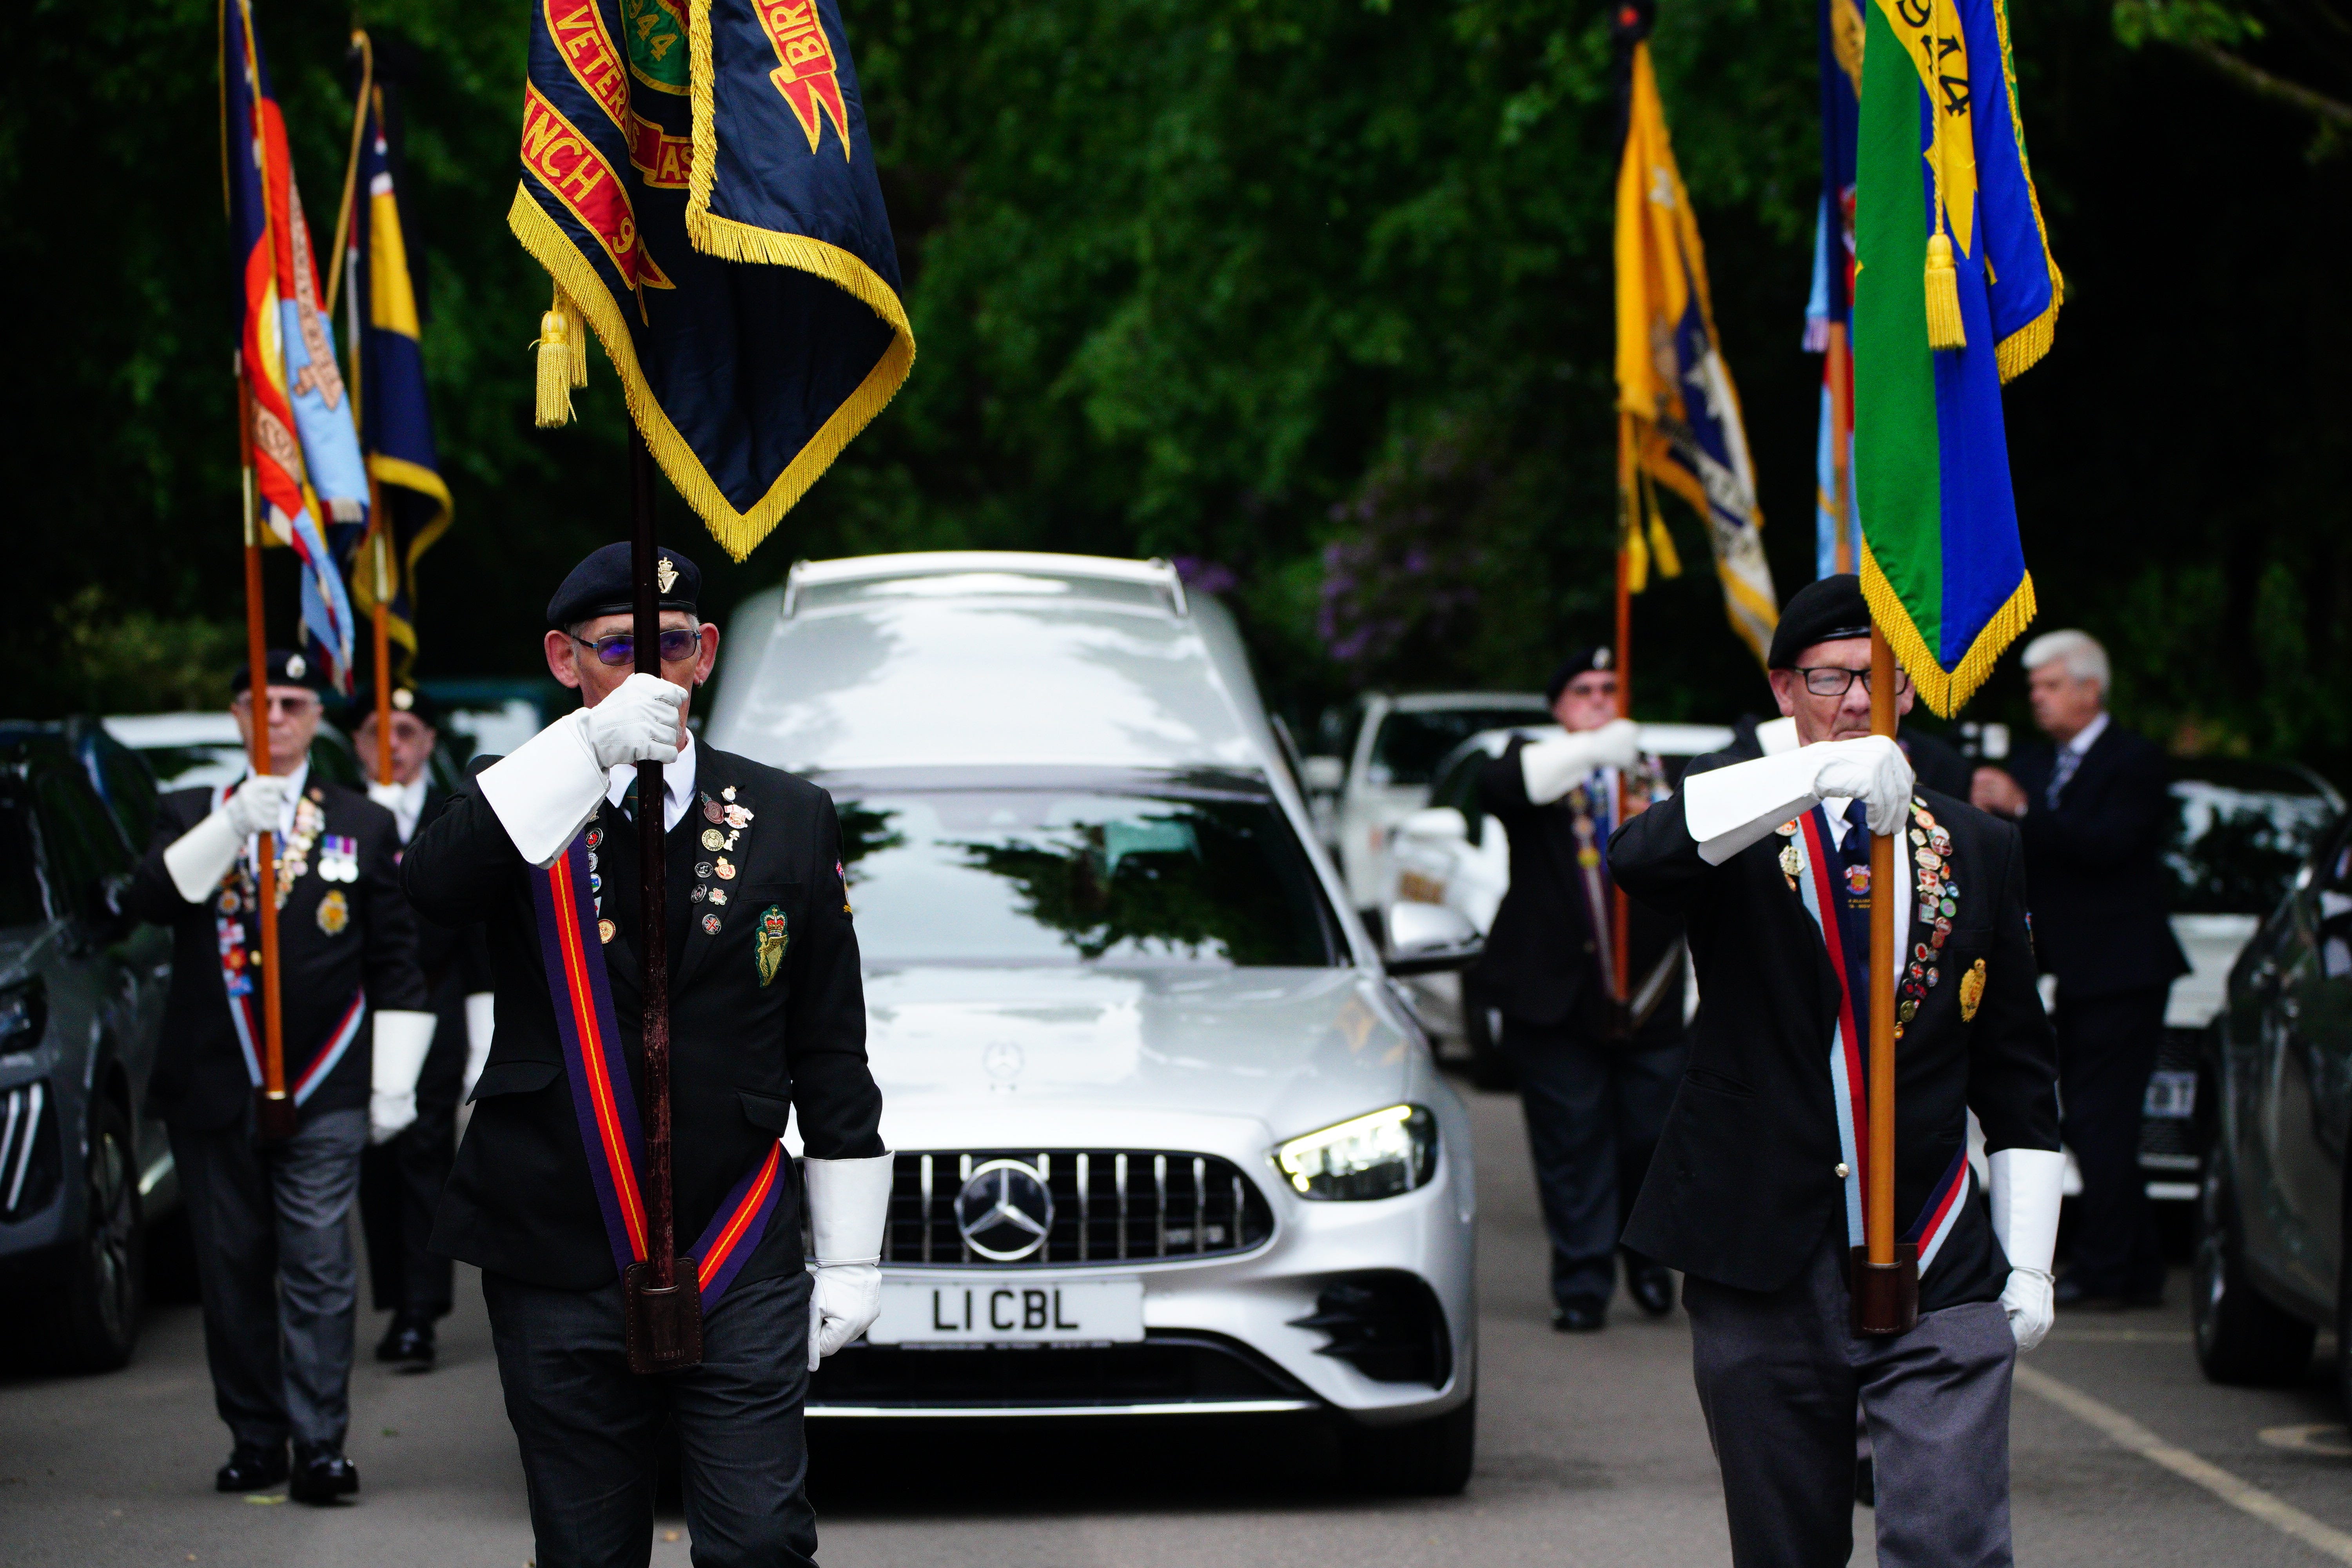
point(985, 1312)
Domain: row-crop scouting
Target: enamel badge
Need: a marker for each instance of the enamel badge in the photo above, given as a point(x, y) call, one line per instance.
point(769, 943)
point(334, 914)
point(1972, 987)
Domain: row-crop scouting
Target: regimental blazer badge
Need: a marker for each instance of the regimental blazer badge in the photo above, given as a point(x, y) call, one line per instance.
point(769, 950)
point(334, 914)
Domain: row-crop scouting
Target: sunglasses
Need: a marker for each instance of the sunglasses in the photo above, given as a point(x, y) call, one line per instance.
point(288, 707)
point(621, 647)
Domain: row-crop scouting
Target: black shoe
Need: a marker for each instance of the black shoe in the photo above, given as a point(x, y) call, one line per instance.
point(408, 1342)
point(1651, 1286)
point(321, 1476)
point(1581, 1315)
point(249, 1469)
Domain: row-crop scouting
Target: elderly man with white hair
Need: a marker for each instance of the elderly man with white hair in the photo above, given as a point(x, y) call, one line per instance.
point(2094, 807)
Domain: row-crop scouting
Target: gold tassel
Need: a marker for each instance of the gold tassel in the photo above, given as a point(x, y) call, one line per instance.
point(576, 333)
point(1944, 328)
point(556, 352)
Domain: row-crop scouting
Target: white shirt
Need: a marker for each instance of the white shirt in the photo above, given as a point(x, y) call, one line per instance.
point(2088, 735)
point(678, 784)
point(405, 801)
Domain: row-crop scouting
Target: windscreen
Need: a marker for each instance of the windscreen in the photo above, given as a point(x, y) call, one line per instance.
point(1410, 744)
point(1001, 876)
point(2234, 850)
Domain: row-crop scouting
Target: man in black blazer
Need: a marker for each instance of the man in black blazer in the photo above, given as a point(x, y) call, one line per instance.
point(2095, 807)
point(401, 1180)
point(1595, 1073)
point(1756, 1188)
point(767, 1019)
point(274, 1260)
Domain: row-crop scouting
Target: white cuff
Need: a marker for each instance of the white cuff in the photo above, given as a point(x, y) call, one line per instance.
point(1727, 809)
point(544, 791)
point(401, 1039)
point(202, 856)
point(2026, 1186)
point(848, 1201)
point(481, 1015)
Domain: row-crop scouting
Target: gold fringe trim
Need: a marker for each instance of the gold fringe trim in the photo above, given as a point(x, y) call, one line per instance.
point(738, 532)
point(576, 325)
point(1944, 692)
point(2040, 333)
point(2022, 348)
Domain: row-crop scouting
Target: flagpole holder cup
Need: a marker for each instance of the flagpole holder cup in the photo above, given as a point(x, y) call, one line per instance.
point(1885, 1295)
point(275, 1116)
point(662, 1326)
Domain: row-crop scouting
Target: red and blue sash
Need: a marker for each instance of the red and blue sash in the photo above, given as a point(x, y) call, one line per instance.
point(237, 979)
point(601, 1099)
point(1847, 1054)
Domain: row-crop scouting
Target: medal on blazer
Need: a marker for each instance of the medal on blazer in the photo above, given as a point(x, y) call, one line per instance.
point(334, 910)
point(601, 1099)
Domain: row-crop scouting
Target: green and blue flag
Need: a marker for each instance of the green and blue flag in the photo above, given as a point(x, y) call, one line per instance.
point(1954, 293)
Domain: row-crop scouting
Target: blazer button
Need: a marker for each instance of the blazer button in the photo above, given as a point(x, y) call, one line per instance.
point(1842, 1171)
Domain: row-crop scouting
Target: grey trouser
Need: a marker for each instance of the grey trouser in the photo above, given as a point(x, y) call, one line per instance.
point(587, 1425)
point(1778, 1376)
point(275, 1266)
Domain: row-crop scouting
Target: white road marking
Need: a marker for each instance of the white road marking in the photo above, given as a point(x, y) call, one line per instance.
point(2245, 1496)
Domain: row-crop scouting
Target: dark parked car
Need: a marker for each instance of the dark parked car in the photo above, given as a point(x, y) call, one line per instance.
point(81, 1004)
point(2278, 1104)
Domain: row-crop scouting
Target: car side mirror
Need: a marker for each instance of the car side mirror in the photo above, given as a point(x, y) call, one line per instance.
point(1437, 822)
point(1323, 775)
point(1431, 939)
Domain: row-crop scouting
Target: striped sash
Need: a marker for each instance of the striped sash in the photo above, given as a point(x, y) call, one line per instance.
point(237, 979)
point(607, 1111)
point(1848, 1051)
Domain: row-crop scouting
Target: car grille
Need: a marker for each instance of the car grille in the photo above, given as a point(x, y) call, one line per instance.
point(29, 1158)
point(1110, 1206)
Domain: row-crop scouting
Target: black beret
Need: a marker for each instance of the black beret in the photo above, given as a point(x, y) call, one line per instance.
point(404, 700)
point(1829, 609)
point(287, 668)
point(601, 586)
point(1601, 655)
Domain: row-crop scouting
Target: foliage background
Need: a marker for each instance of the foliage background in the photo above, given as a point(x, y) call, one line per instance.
point(1312, 294)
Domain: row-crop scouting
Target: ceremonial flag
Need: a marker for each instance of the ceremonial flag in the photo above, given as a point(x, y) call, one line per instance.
point(1954, 293)
point(306, 453)
point(395, 417)
point(1678, 413)
point(698, 181)
point(1829, 313)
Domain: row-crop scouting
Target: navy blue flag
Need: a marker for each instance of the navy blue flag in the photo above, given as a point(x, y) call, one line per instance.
point(698, 181)
point(388, 392)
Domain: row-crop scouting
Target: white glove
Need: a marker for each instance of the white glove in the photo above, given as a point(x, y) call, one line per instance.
point(401, 1041)
point(1872, 770)
point(2026, 1186)
point(637, 722)
point(481, 1015)
point(1550, 767)
point(387, 796)
point(1727, 809)
point(258, 805)
point(848, 1200)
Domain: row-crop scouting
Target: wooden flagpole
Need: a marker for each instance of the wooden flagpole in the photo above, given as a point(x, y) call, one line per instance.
point(274, 1108)
point(663, 1313)
point(1887, 1278)
point(1619, 916)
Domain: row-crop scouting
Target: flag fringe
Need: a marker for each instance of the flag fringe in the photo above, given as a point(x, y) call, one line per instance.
point(1943, 692)
point(2022, 348)
point(575, 327)
point(738, 532)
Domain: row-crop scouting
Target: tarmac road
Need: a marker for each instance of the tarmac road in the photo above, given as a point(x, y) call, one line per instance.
point(1591, 1452)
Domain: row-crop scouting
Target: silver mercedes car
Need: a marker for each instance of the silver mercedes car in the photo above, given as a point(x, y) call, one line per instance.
point(1168, 1140)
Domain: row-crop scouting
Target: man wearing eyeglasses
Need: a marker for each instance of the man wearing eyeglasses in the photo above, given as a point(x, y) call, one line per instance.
point(767, 1021)
point(1595, 1073)
point(1757, 1189)
point(274, 1259)
point(401, 1180)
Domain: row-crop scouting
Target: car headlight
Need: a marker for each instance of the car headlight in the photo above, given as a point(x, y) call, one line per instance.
point(1375, 1156)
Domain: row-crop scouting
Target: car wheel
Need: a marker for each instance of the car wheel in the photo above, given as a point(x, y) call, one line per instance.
point(1426, 1458)
point(99, 1291)
point(1489, 1068)
point(2242, 1336)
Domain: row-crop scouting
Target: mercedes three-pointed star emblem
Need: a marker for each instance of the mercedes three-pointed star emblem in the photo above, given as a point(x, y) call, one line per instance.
point(1005, 1210)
